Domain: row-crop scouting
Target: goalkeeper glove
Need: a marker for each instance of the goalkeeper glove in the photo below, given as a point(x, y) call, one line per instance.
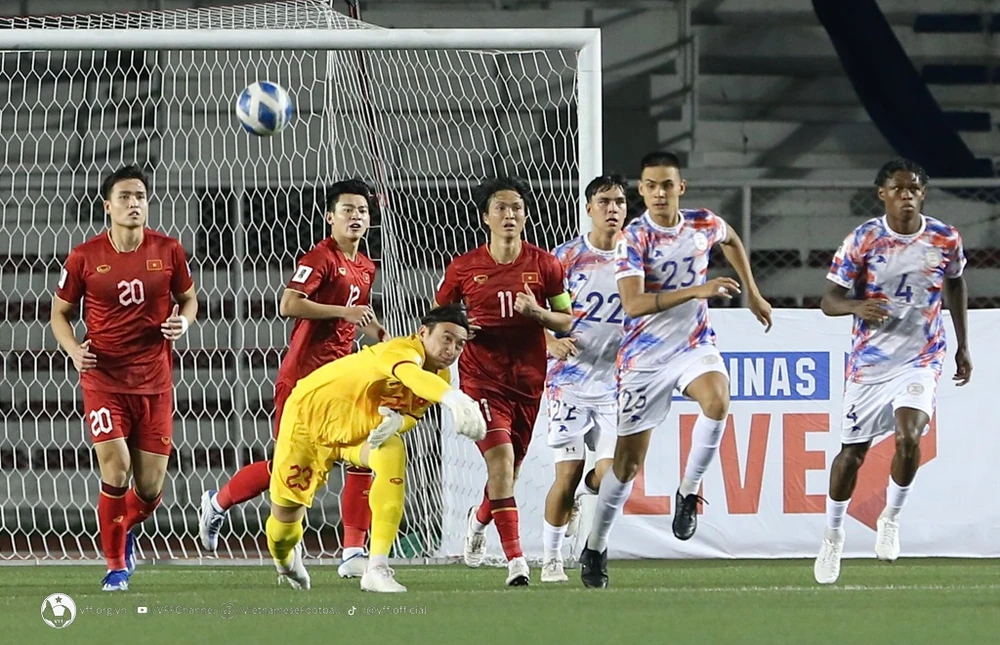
point(392, 422)
point(469, 419)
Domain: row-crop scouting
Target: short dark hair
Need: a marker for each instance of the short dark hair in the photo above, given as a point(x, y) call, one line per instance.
point(132, 171)
point(604, 183)
point(895, 165)
point(348, 187)
point(453, 313)
point(483, 193)
point(660, 159)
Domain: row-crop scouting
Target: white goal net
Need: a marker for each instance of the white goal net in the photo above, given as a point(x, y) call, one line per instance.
point(423, 125)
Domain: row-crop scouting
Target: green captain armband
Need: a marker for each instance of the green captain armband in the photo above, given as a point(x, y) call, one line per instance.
point(562, 301)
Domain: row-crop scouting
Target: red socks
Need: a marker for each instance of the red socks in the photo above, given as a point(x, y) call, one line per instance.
point(354, 509)
point(137, 509)
point(505, 516)
point(111, 512)
point(248, 482)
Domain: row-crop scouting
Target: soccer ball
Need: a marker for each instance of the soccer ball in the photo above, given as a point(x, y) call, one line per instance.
point(264, 108)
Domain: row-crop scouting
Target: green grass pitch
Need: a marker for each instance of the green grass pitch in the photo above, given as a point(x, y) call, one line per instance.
point(705, 602)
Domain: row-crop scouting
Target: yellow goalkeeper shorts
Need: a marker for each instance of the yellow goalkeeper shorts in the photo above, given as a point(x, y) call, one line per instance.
point(302, 461)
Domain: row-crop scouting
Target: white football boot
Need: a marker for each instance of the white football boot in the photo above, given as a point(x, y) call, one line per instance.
point(353, 567)
point(381, 579)
point(887, 540)
point(826, 570)
point(475, 543)
point(295, 575)
point(552, 571)
point(518, 573)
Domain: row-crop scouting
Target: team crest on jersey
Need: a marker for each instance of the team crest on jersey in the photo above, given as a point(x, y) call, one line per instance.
point(366, 278)
point(104, 268)
point(933, 258)
point(479, 279)
point(529, 277)
point(700, 241)
point(342, 270)
point(153, 265)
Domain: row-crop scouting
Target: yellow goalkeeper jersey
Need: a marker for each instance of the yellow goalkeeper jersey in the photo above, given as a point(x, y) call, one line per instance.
point(339, 401)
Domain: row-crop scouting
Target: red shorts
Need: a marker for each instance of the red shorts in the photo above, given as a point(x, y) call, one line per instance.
point(507, 421)
point(281, 393)
point(145, 421)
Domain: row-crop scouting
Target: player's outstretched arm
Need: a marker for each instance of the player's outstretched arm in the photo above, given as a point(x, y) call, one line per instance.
point(636, 302)
point(956, 295)
point(375, 331)
point(736, 255)
point(62, 330)
point(295, 304)
point(469, 419)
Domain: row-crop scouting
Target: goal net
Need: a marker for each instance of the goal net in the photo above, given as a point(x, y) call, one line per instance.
point(423, 124)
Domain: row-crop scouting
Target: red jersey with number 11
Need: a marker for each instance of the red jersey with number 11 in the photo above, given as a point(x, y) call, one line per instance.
point(507, 355)
point(126, 297)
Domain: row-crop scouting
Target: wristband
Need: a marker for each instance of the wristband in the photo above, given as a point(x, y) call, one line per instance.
point(184, 325)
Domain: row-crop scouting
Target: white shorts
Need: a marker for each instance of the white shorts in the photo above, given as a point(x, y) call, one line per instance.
point(869, 409)
point(644, 398)
point(575, 426)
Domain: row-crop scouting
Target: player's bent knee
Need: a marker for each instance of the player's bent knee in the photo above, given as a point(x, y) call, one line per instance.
point(850, 458)
point(907, 444)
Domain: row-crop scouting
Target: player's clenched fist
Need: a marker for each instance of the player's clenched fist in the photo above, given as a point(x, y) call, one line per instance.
point(469, 419)
point(175, 326)
point(83, 360)
point(561, 348)
point(392, 422)
point(526, 304)
point(360, 316)
point(719, 288)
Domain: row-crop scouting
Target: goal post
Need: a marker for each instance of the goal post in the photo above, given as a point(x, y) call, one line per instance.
point(422, 114)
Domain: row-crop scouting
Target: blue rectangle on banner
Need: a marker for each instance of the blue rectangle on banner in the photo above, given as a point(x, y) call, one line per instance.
point(778, 376)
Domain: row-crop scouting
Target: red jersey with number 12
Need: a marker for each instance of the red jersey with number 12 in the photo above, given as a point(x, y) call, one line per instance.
point(326, 276)
point(126, 297)
point(507, 355)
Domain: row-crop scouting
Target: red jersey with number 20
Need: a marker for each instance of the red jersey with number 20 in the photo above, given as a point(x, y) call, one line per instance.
point(326, 276)
point(507, 355)
point(126, 297)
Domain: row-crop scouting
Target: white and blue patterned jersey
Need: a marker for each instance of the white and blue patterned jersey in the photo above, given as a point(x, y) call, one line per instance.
point(907, 271)
point(667, 259)
point(597, 324)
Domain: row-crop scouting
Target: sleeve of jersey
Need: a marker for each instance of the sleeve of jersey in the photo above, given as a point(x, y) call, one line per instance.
point(310, 272)
point(956, 258)
point(181, 280)
point(421, 382)
point(846, 263)
point(449, 290)
point(71, 287)
point(628, 256)
point(719, 228)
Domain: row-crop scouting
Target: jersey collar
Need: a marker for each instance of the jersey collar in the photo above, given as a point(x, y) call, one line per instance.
point(923, 226)
point(594, 249)
point(672, 230)
point(117, 250)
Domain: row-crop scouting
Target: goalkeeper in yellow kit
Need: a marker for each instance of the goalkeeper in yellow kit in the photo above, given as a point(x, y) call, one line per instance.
point(352, 410)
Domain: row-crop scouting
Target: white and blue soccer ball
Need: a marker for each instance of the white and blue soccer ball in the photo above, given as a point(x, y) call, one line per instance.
point(264, 108)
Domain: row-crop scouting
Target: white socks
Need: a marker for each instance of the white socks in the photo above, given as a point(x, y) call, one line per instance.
point(610, 502)
point(705, 440)
point(350, 551)
point(377, 560)
point(895, 497)
point(835, 512)
point(552, 540)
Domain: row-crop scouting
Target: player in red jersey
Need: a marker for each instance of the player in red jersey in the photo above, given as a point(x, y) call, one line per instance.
point(328, 295)
point(126, 277)
point(504, 285)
